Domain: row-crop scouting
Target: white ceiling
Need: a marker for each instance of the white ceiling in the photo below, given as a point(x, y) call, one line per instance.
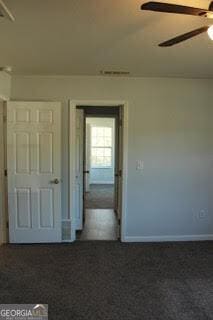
point(82, 37)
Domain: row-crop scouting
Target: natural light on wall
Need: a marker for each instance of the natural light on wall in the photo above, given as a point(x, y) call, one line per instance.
point(210, 32)
point(101, 145)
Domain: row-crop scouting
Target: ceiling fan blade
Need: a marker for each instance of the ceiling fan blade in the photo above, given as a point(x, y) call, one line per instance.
point(174, 8)
point(6, 12)
point(183, 37)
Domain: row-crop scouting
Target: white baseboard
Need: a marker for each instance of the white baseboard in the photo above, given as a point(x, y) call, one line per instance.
point(198, 237)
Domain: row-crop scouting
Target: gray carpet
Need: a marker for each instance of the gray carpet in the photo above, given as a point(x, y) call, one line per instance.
point(101, 196)
point(110, 280)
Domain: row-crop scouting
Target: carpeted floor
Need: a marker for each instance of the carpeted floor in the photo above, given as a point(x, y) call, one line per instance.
point(101, 196)
point(110, 280)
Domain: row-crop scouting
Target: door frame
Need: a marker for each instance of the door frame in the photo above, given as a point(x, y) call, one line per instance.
point(3, 190)
point(73, 104)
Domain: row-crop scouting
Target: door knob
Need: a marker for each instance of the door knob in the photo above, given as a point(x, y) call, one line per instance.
point(56, 181)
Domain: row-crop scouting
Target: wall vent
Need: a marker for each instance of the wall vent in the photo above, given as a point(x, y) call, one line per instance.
point(114, 73)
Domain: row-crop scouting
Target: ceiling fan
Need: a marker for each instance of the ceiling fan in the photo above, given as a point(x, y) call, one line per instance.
point(5, 12)
point(180, 9)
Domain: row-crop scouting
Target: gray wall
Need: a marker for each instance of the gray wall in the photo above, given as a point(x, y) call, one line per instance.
point(170, 129)
point(5, 85)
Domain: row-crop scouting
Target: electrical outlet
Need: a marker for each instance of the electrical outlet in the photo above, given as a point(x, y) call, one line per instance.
point(202, 214)
point(139, 165)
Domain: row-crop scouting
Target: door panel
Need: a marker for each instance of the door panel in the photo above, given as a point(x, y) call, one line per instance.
point(46, 213)
point(22, 152)
point(79, 169)
point(23, 208)
point(45, 142)
point(34, 162)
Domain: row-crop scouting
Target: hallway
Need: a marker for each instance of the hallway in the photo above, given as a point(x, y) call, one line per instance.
point(100, 196)
point(100, 224)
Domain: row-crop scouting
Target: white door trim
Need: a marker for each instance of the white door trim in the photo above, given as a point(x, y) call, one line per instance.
point(3, 218)
point(72, 125)
point(79, 160)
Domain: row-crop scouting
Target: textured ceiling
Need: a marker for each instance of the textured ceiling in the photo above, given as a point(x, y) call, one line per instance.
point(83, 37)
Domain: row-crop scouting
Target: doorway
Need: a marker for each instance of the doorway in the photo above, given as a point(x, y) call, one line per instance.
point(98, 172)
point(100, 162)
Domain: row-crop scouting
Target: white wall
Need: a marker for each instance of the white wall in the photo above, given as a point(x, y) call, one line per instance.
point(103, 175)
point(170, 129)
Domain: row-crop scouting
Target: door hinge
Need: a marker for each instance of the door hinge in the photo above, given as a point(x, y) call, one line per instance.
point(119, 174)
point(5, 172)
point(4, 118)
point(7, 225)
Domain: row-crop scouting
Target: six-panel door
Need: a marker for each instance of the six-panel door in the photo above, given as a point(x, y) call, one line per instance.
point(34, 171)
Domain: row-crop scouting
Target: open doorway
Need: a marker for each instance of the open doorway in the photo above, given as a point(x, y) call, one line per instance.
point(98, 144)
point(100, 163)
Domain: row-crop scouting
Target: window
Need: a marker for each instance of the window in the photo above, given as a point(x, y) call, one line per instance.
point(101, 147)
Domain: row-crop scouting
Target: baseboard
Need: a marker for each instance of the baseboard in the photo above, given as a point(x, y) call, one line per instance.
point(198, 237)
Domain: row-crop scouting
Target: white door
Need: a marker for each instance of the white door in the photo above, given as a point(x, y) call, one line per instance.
point(79, 169)
point(34, 171)
point(118, 164)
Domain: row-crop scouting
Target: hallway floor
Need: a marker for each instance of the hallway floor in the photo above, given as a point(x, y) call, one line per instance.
point(100, 224)
point(100, 196)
